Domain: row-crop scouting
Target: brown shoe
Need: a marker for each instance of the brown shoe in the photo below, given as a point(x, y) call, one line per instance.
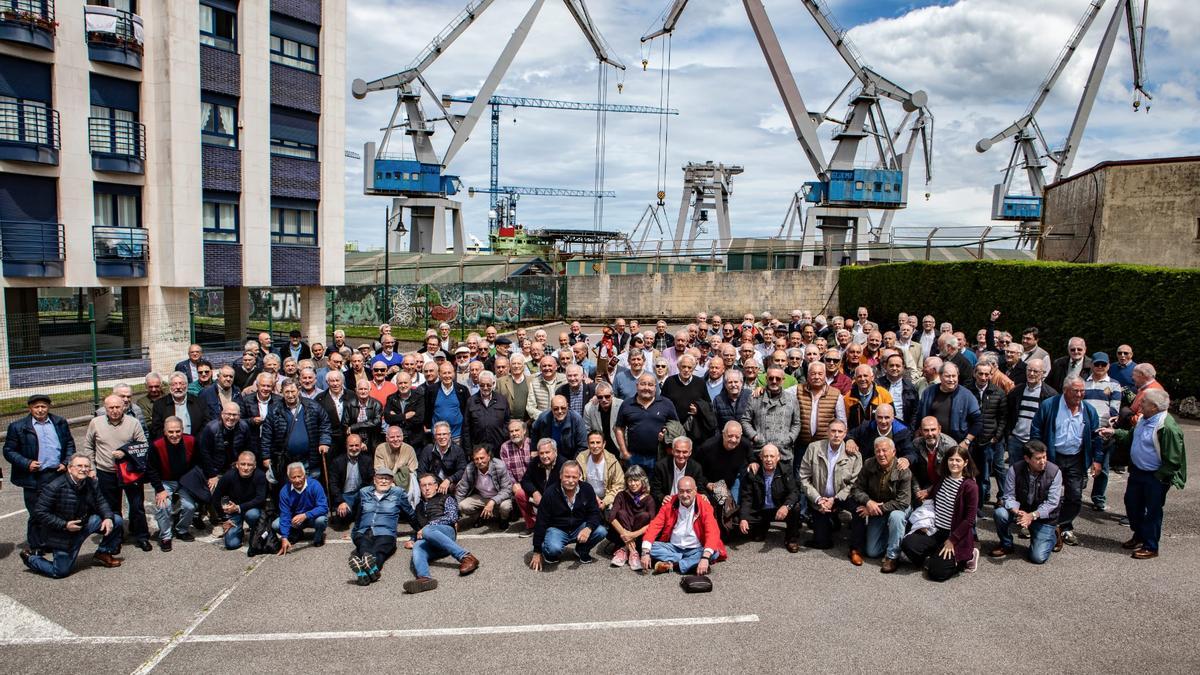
point(888, 566)
point(856, 558)
point(107, 560)
point(1144, 554)
point(469, 564)
point(999, 552)
point(662, 567)
point(793, 546)
point(1058, 540)
point(1133, 544)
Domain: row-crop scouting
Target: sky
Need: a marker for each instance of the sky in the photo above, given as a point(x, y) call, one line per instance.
point(980, 61)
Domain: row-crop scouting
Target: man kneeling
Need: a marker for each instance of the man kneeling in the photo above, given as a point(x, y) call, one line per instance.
point(69, 510)
point(568, 511)
point(301, 504)
point(683, 534)
point(380, 507)
point(434, 536)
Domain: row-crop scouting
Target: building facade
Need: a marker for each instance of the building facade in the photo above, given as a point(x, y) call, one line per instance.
point(162, 145)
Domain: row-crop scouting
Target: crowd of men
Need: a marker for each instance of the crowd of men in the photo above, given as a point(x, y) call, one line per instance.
point(658, 447)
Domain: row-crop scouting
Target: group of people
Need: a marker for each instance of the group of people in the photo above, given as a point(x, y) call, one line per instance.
point(658, 446)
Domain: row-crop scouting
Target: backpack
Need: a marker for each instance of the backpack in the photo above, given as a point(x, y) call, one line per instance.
point(263, 540)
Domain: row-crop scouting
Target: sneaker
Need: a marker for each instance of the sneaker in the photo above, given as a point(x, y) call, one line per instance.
point(371, 565)
point(360, 573)
point(420, 585)
point(165, 545)
point(973, 563)
point(1069, 538)
point(526, 534)
point(1124, 521)
point(584, 558)
point(635, 563)
point(620, 557)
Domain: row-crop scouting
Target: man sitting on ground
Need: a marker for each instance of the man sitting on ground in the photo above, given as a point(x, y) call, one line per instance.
point(567, 512)
point(240, 496)
point(485, 492)
point(380, 507)
point(770, 495)
point(684, 534)
point(434, 536)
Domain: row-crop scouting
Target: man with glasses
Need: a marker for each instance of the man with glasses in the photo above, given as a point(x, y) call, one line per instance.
point(1122, 370)
point(834, 376)
point(1103, 393)
point(204, 378)
point(562, 424)
point(641, 422)
point(388, 356)
point(380, 386)
point(601, 415)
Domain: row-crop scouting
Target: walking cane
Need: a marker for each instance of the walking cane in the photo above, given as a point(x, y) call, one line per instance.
point(325, 472)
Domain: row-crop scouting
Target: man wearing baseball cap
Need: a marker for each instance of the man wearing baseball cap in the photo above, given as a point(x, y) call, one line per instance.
point(38, 446)
point(1103, 393)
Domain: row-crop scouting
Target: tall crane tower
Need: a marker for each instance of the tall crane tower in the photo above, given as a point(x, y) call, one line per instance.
point(844, 189)
point(417, 181)
point(1030, 149)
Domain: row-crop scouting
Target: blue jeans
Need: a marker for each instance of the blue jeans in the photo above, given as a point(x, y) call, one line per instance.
point(1016, 450)
point(687, 558)
point(1100, 481)
point(556, 540)
point(233, 538)
point(1042, 535)
point(881, 534)
point(989, 460)
point(437, 542)
point(64, 559)
point(645, 461)
point(187, 511)
point(1145, 496)
point(317, 525)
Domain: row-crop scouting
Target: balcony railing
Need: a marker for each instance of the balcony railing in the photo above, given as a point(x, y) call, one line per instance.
point(120, 251)
point(117, 145)
point(28, 132)
point(32, 249)
point(114, 35)
point(29, 22)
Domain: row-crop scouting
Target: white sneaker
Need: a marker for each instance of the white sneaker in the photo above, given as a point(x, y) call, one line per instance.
point(973, 564)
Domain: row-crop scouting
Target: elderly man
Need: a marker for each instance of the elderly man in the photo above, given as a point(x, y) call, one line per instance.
point(1122, 370)
point(1031, 496)
point(1104, 394)
point(1022, 404)
point(334, 400)
point(1075, 364)
point(883, 425)
point(104, 445)
point(191, 365)
point(819, 405)
point(446, 401)
point(1069, 428)
point(542, 387)
point(348, 474)
point(565, 426)
point(827, 474)
point(541, 472)
point(601, 415)
point(733, 401)
point(307, 378)
point(406, 409)
point(568, 511)
point(668, 471)
point(676, 350)
point(514, 387)
point(864, 397)
point(70, 509)
point(903, 392)
point(956, 410)
point(295, 431)
point(245, 370)
point(625, 380)
point(38, 446)
point(443, 458)
point(723, 458)
point(1144, 380)
point(683, 535)
point(1158, 462)
point(381, 506)
point(601, 470)
point(256, 409)
point(770, 495)
point(883, 492)
point(302, 504)
point(178, 403)
point(215, 397)
point(988, 450)
point(296, 347)
point(690, 397)
point(485, 492)
point(773, 418)
point(577, 392)
point(154, 391)
point(168, 462)
point(641, 422)
point(240, 496)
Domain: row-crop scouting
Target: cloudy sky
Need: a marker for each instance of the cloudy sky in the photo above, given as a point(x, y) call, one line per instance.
point(979, 60)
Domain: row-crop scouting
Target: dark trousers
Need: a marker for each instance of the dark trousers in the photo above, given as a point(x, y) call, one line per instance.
point(135, 495)
point(760, 522)
point(1074, 478)
point(1145, 496)
point(924, 550)
point(823, 524)
point(33, 535)
point(378, 545)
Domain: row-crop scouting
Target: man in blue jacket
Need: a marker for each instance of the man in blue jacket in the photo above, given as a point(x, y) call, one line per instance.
point(565, 426)
point(381, 506)
point(297, 431)
point(301, 504)
point(956, 410)
point(1069, 428)
point(38, 446)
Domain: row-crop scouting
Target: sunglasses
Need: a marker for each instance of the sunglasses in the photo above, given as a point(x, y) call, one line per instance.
point(204, 372)
point(660, 365)
point(832, 360)
point(603, 397)
point(379, 370)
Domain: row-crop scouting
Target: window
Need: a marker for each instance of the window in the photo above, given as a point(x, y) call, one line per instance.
point(220, 221)
point(117, 210)
point(123, 5)
point(293, 226)
point(114, 131)
point(24, 121)
point(218, 124)
point(285, 148)
point(294, 54)
point(218, 28)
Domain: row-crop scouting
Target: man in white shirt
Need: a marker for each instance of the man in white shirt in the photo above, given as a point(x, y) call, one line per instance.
point(684, 534)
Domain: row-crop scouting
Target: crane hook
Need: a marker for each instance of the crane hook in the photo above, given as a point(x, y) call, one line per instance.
point(645, 62)
point(620, 87)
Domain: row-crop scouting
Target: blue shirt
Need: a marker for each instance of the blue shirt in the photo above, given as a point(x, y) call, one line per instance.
point(49, 447)
point(1122, 374)
point(1142, 452)
point(642, 425)
point(1068, 429)
point(714, 387)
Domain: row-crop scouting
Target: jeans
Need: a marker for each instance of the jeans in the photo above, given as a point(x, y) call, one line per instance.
point(1016, 450)
point(1145, 496)
point(878, 535)
point(317, 525)
point(470, 507)
point(1100, 482)
point(647, 462)
point(351, 501)
point(437, 542)
point(64, 559)
point(233, 538)
point(989, 459)
point(556, 540)
point(687, 558)
point(1074, 477)
point(1042, 535)
point(135, 495)
point(187, 511)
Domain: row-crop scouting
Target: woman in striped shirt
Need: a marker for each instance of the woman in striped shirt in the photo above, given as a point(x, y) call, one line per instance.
point(949, 546)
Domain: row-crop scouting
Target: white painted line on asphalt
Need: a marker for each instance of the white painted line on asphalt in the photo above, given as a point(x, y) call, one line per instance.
point(478, 630)
point(205, 612)
point(84, 640)
point(210, 539)
point(10, 515)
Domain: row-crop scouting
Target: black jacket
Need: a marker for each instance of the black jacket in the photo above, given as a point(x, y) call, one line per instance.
point(864, 436)
point(414, 427)
point(249, 412)
point(165, 407)
point(431, 393)
point(247, 493)
point(61, 501)
point(910, 399)
point(536, 478)
point(486, 425)
point(336, 424)
point(554, 511)
point(278, 427)
point(21, 447)
point(451, 465)
point(993, 407)
point(370, 429)
point(752, 496)
point(219, 447)
point(337, 476)
point(1013, 405)
point(664, 473)
point(285, 351)
point(1058, 371)
point(1015, 372)
point(589, 390)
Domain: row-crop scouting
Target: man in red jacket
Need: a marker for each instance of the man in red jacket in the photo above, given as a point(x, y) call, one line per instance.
point(171, 457)
point(684, 534)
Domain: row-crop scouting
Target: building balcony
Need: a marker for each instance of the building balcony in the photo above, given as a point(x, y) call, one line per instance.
point(114, 36)
point(117, 145)
point(32, 249)
point(120, 251)
point(28, 132)
point(28, 22)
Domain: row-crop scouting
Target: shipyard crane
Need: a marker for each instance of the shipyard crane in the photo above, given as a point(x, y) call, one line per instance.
point(418, 181)
point(843, 190)
point(1030, 149)
point(496, 102)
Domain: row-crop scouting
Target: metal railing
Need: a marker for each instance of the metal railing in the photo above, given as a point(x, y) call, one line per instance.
point(113, 28)
point(28, 124)
point(37, 13)
point(31, 241)
point(120, 244)
point(125, 138)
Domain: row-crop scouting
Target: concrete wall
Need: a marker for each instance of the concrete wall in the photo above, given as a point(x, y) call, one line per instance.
point(683, 295)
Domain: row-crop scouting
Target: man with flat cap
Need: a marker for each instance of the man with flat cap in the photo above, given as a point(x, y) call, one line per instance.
point(38, 446)
point(503, 347)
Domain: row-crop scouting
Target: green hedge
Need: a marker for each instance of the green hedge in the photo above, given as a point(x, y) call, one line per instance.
point(1154, 309)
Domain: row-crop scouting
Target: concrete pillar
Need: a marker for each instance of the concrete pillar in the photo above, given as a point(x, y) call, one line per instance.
point(104, 302)
point(312, 314)
point(237, 314)
point(161, 317)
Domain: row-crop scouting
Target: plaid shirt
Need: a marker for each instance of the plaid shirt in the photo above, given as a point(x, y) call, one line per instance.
point(515, 459)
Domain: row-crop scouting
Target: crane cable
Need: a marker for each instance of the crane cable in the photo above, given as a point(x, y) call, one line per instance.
point(664, 119)
point(601, 143)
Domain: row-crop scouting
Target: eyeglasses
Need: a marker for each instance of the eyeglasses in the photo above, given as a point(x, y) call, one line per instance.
point(379, 370)
point(774, 379)
point(1124, 353)
point(660, 365)
point(832, 360)
point(604, 397)
point(204, 372)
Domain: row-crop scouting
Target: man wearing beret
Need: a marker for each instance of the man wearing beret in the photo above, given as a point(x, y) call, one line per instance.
point(38, 446)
